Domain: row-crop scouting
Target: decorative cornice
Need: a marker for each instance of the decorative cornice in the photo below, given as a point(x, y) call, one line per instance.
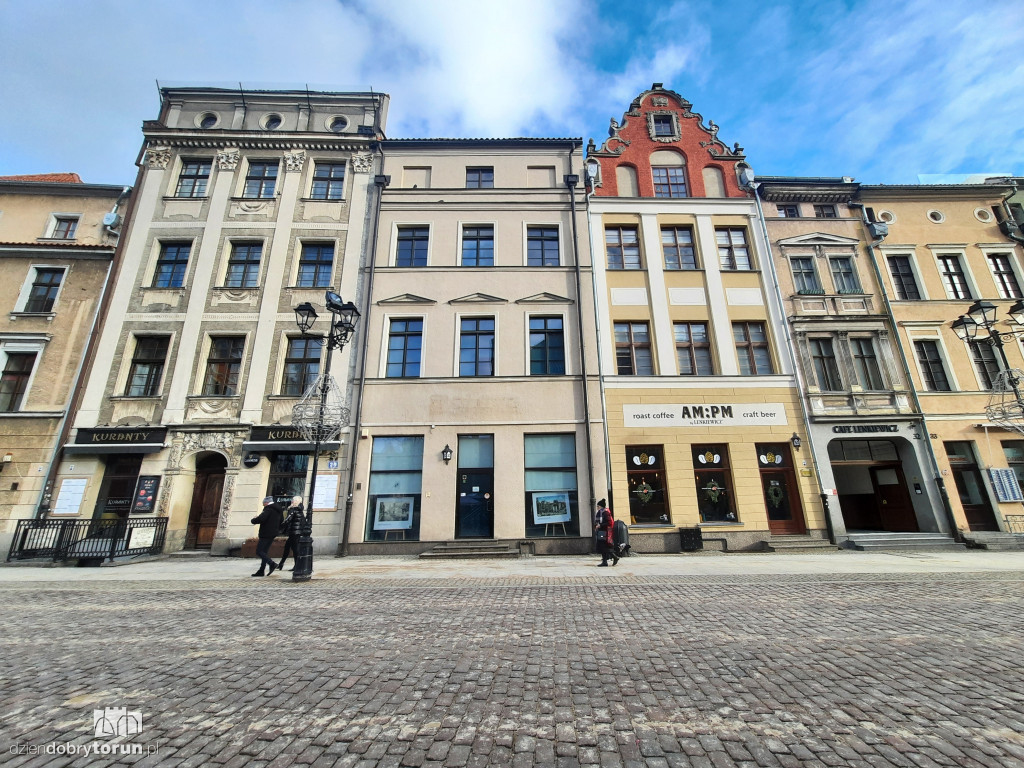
point(406, 298)
point(544, 298)
point(479, 298)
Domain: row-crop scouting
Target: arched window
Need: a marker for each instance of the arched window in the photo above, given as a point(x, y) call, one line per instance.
point(714, 182)
point(668, 169)
point(625, 179)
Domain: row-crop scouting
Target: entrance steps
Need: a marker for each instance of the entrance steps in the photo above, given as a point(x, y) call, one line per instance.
point(883, 540)
point(464, 550)
point(798, 543)
point(189, 553)
point(993, 540)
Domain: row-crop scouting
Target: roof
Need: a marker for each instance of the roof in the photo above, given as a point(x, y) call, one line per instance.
point(490, 142)
point(62, 178)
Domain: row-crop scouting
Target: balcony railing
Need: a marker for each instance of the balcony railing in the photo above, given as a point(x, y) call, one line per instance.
point(61, 540)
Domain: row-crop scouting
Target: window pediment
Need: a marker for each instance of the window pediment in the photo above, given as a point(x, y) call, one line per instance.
point(407, 298)
point(544, 298)
point(479, 298)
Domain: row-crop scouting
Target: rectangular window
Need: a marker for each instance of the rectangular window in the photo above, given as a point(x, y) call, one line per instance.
point(984, 357)
point(547, 346)
point(476, 346)
point(412, 246)
point(826, 371)
point(14, 380)
point(171, 265)
point(192, 181)
point(64, 227)
point(932, 370)
point(752, 348)
point(805, 279)
point(43, 293)
point(869, 376)
point(623, 247)
point(405, 348)
point(844, 278)
point(903, 278)
point(663, 125)
point(1002, 272)
point(328, 181)
point(223, 366)
point(1014, 452)
point(633, 349)
point(316, 265)
point(479, 178)
point(714, 483)
point(244, 265)
point(478, 246)
point(542, 247)
point(824, 212)
point(646, 481)
point(693, 349)
point(669, 182)
point(394, 492)
point(677, 245)
point(788, 211)
point(552, 504)
point(261, 179)
point(953, 277)
point(147, 369)
point(287, 476)
point(732, 248)
point(301, 365)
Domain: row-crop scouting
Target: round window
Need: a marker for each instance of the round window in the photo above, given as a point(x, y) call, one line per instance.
point(936, 216)
point(887, 217)
point(984, 215)
point(337, 124)
point(207, 120)
point(272, 122)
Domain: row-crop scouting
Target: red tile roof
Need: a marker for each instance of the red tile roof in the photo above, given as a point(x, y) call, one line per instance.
point(63, 178)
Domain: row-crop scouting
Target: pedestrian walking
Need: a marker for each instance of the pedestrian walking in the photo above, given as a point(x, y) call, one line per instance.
point(269, 521)
point(290, 528)
point(604, 522)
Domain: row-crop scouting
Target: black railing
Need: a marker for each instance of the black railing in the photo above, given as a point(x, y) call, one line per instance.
point(87, 539)
point(1015, 524)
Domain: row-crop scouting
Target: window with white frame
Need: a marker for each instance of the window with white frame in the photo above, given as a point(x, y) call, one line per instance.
point(865, 363)
point(244, 265)
point(62, 226)
point(39, 294)
point(478, 245)
point(328, 181)
point(147, 368)
point(983, 355)
point(953, 276)
point(732, 248)
point(260, 179)
point(193, 179)
point(844, 277)
point(805, 277)
point(316, 265)
point(933, 370)
point(904, 280)
point(18, 364)
point(826, 370)
point(1002, 272)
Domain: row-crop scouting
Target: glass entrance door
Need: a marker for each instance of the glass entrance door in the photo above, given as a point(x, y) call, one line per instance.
point(474, 513)
point(778, 483)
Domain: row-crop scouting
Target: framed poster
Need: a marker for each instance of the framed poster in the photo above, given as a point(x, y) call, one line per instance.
point(70, 495)
point(145, 494)
point(393, 513)
point(325, 496)
point(551, 507)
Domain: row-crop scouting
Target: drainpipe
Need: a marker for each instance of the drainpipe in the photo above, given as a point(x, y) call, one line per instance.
point(939, 482)
point(790, 348)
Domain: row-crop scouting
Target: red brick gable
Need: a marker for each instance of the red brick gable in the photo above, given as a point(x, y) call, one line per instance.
point(633, 141)
point(62, 178)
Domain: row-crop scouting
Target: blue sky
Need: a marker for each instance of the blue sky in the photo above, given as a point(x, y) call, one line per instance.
point(880, 90)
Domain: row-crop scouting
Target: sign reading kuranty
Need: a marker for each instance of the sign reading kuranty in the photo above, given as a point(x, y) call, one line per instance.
point(704, 415)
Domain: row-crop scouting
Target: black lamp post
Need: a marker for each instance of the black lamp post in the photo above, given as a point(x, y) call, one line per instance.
point(317, 420)
point(982, 317)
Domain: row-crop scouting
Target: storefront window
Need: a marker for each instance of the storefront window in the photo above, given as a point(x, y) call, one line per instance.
point(552, 501)
point(287, 476)
point(396, 478)
point(714, 484)
point(1014, 451)
point(645, 471)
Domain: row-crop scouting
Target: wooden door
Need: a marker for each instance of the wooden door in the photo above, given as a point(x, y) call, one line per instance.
point(205, 510)
point(895, 508)
point(779, 486)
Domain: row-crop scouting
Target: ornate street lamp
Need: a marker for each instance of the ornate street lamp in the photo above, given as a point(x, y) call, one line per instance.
point(322, 412)
point(979, 324)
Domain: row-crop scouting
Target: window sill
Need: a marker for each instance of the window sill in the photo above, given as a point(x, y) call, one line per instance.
point(137, 398)
point(55, 239)
point(44, 315)
point(315, 199)
point(721, 524)
point(31, 414)
point(182, 197)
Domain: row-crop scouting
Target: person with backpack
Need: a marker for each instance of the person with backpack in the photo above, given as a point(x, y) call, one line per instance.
point(290, 528)
point(604, 522)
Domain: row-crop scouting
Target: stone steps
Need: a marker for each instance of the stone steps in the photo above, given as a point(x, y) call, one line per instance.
point(798, 543)
point(996, 541)
point(465, 550)
point(883, 540)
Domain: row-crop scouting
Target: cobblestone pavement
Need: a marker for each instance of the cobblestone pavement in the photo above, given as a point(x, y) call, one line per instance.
point(609, 670)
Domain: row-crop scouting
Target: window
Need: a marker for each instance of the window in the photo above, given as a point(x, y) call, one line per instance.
point(903, 278)
point(547, 346)
point(623, 247)
point(405, 348)
point(478, 246)
point(752, 348)
point(193, 178)
point(301, 365)
point(714, 483)
point(984, 357)
point(1014, 452)
point(261, 180)
point(953, 276)
point(316, 263)
point(693, 349)
point(732, 248)
point(43, 292)
point(479, 178)
point(412, 246)
point(542, 246)
point(865, 362)
point(932, 370)
point(824, 212)
point(669, 182)
point(171, 265)
point(328, 181)
point(805, 279)
point(552, 504)
point(677, 245)
point(64, 227)
point(662, 125)
point(843, 276)
point(476, 347)
point(789, 211)
point(14, 380)
point(645, 477)
point(633, 349)
point(147, 369)
point(244, 265)
point(1002, 272)
point(287, 475)
point(394, 492)
point(826, 372)
point(223, 365)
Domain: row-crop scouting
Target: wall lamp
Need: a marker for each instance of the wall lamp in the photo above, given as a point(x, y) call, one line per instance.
point(446, 453)
point(7, 459)
point(795, 440)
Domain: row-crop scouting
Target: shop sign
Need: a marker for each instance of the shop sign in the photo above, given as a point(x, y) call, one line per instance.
point(272, 434)
point(705, 415)
point(251, 460)
point(125, 435)
point(859, 429)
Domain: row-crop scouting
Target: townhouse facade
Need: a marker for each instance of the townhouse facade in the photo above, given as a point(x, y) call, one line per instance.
point(248, 203)
point(57, 243)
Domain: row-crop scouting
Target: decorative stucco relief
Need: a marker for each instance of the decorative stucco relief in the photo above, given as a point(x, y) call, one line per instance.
point(293, 161)
point(158, 158)
point(227, 159)
point(362, 162)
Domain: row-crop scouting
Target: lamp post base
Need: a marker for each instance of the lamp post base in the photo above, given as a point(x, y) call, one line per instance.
point(303, 559)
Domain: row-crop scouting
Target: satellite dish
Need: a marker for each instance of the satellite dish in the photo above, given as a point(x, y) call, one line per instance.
point(111, 219)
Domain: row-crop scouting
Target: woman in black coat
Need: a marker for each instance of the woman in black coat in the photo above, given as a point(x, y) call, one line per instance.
point(290, 528)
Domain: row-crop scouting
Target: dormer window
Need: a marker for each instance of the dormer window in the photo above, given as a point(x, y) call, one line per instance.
point(663, 126)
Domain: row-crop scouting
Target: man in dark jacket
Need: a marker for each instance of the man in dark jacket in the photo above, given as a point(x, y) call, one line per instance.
point(269, 521)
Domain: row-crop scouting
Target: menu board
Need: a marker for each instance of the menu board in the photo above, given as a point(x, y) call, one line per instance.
point(69, 498)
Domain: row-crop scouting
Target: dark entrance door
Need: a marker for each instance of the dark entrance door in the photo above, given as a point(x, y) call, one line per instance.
point(117, 490)
point(474, 518)
point(895, 509)
point(969, 485)
point(778, 483)
point(206, 498)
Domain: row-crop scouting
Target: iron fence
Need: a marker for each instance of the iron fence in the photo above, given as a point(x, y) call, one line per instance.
point(60, 540)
